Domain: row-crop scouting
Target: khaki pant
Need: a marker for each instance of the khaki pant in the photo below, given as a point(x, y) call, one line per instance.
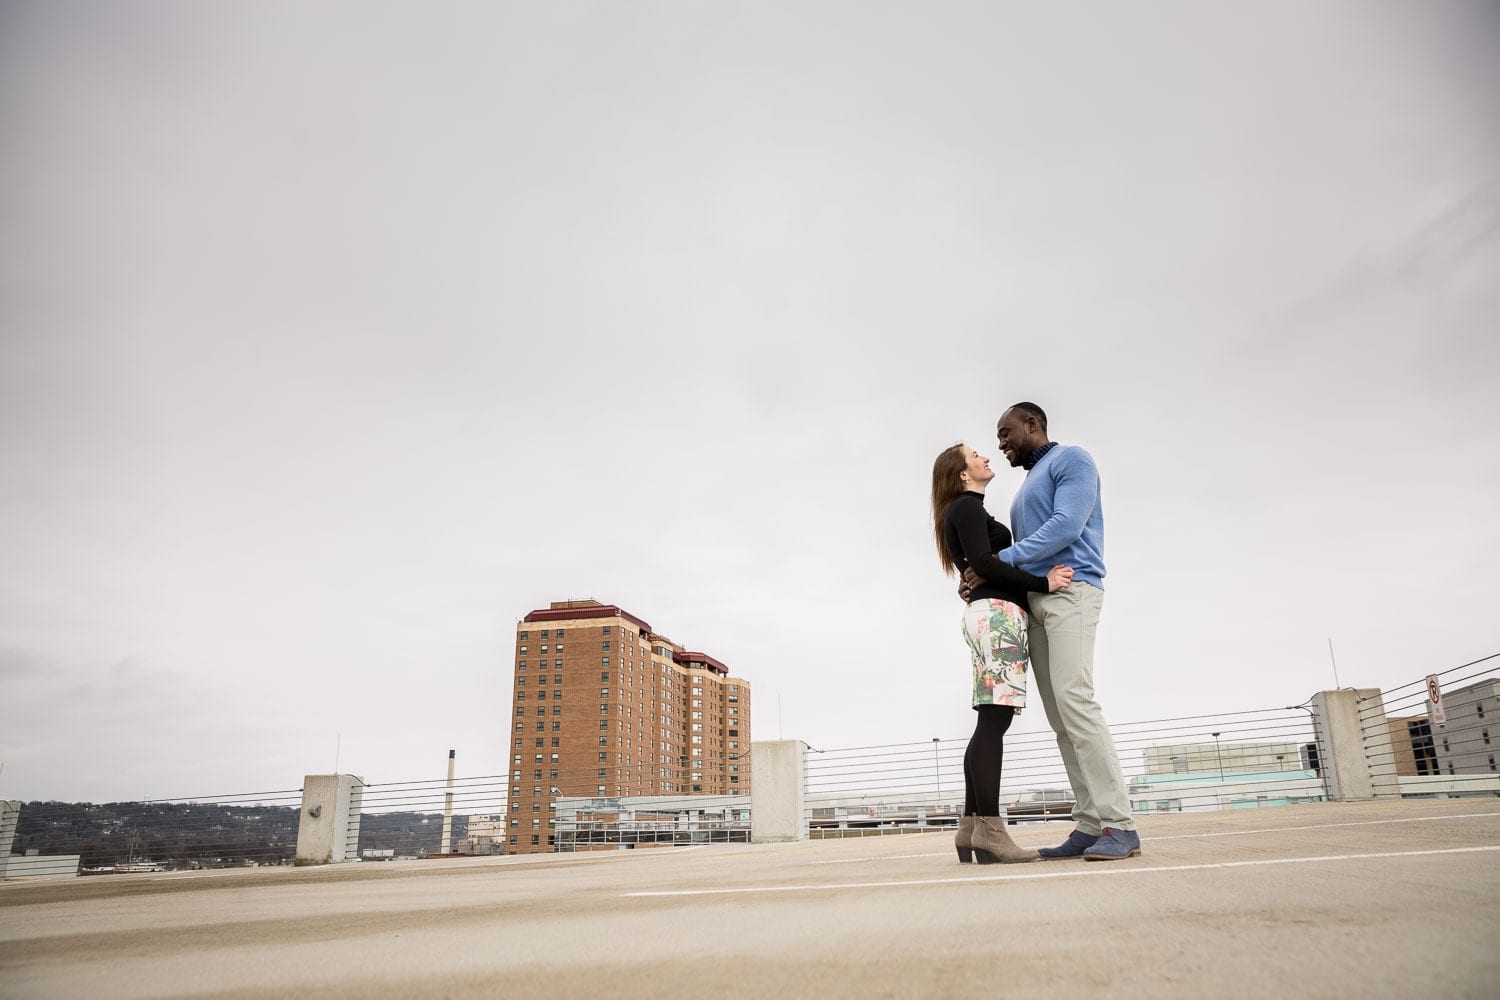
point(1061, 637)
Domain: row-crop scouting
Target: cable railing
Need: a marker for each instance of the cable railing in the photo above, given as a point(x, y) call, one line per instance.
point(567, 807)
point(1406, 745)
point(1185, 763)
point(168, 834)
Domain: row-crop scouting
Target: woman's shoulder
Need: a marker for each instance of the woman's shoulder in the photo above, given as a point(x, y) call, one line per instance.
point(965, 505)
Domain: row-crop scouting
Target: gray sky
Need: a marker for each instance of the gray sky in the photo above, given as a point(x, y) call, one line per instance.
point(336, 337)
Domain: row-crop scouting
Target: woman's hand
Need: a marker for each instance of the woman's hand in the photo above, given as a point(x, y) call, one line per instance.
point(1058, 578)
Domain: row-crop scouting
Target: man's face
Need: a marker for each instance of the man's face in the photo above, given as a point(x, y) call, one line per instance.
point(1015, 438)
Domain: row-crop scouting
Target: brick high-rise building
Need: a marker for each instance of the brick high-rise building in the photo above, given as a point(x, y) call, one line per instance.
point(606, 707)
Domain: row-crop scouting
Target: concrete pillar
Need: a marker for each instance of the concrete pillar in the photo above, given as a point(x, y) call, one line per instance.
point(776, 808)
point(328, 831)
point(1354, 744)
point(10, 814)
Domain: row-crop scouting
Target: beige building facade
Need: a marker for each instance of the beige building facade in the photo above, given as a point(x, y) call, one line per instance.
point(604, 706)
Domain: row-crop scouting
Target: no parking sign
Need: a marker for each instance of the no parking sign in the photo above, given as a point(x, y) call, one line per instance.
point(1435, 701)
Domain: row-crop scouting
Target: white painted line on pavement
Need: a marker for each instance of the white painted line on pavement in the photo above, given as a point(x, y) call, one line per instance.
point(1196, 836)
point(1327, 826)
point(1082, 871)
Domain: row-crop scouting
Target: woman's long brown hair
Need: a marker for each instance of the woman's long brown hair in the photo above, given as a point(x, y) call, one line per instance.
point(946, 486)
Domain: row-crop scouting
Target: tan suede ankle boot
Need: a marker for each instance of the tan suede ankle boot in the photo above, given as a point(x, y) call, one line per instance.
point(992, 843)
point(963, 840)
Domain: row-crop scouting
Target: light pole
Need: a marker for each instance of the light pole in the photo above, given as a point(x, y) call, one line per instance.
point(937, 772)
point(1219, 757)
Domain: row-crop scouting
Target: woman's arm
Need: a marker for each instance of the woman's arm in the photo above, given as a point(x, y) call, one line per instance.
point(972, 523)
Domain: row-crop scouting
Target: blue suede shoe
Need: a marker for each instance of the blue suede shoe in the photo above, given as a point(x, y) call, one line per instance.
point(1114, 845)
point(1073, 847)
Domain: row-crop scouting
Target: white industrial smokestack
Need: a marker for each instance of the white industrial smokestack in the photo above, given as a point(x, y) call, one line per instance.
point(448, 810)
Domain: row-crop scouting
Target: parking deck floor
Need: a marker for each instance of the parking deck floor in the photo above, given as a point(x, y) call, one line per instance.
point(1368, 899)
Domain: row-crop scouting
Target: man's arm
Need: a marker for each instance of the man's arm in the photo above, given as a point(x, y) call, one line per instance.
point(1076, 495)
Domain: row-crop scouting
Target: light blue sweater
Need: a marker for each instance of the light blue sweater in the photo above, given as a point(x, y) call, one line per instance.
point(1058, 518)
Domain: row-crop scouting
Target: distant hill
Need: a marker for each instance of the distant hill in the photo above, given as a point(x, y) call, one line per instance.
point(206, 835)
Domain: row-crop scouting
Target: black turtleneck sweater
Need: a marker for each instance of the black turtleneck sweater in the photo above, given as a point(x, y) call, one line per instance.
point(973, 538)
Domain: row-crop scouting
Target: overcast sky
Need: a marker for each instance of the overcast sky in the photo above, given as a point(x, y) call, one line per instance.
point(338, 336)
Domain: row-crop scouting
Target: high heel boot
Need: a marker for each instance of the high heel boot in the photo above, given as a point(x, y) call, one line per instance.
point(963, 840)
point(992, 844)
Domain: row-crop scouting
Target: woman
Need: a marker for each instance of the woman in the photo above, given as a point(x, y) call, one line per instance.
point(995, 628)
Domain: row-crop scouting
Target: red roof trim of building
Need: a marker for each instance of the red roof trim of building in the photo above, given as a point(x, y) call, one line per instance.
point(701, 659)
point(602, 611)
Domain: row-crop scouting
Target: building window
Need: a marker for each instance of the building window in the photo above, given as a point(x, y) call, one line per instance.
point(520, 696)
point(559, 647)
point(535, 839)
point(606, 630)
point(604, 725)
point(556, 710)
point(544, 633)
point(537, 761)
point(552, 775)
point(557, 678)
point(524, 635)
point(544, 649)
point(520, 709)
point(556, 726)
point(604, 675)
point(541, 710)
point(604, 692)
point(536, 776)
point(557, 694)
point(559, 633)
point(603, 709)
point(518, 725)
point(542, 679)
point(604, 741)
point(554, 741)
point(521, 666)
point(538, 743)
point(523, 649)
point(1486, 734)
point(1446, 748)
point(603, 661)
point(605, 647)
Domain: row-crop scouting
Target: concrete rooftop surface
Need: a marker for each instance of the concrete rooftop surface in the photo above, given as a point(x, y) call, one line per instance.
point(1373, 899)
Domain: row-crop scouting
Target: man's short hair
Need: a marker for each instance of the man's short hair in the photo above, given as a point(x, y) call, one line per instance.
point(1032, 410)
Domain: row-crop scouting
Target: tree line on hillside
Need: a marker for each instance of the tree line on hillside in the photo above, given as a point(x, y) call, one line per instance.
point(206, 835)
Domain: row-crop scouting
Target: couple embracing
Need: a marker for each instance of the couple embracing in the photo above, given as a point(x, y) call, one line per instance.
point(1031, 613)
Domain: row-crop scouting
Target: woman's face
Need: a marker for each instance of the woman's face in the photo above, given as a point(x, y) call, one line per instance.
point(977, 467)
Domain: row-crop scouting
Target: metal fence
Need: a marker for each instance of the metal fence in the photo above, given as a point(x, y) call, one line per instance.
point(1414, 745)
point(204, 831)
point(1448, 746)
point(1183, 764)
point(602, 805)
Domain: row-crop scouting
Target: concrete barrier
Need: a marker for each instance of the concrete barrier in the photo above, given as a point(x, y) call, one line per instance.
point(10, 813)
point(777, 773)
point(328, 828)
point(1353, 733)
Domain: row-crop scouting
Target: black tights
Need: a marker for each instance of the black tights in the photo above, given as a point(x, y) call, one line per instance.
point(983, 758)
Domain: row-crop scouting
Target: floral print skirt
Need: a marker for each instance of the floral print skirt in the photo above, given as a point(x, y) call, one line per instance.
point(996, 633)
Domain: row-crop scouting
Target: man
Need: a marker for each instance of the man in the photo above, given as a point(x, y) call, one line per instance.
point(1056, 518)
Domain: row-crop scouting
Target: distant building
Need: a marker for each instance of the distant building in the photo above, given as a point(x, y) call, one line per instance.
point(1191, 777)
point(607, 707)
point(486, 835)
point(1411, 746)
point(1464, 744)
point(1228, 757)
